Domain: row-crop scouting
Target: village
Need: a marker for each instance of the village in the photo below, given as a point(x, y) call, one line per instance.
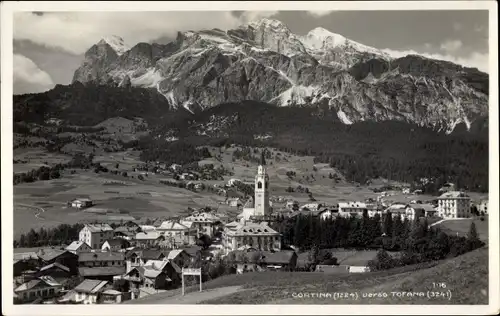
point(131, 261)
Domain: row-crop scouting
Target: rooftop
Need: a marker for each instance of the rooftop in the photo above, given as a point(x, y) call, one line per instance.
point(75, 245)
point(51, 254)
point(250, 228)
point(55, 265)
point(150, 235)
point(203, 217)
point(352, 204)
point(101, 256)
point(172, 225)
point(25, 256)
point(117, 242)
point(453, 195)
point(47, 280)
point(97, 228)
point(82, 200)
point(90, 286)
point(101, 271)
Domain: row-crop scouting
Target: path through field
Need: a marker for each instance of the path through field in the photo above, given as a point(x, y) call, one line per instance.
point(189, 298)
point(39, 210)
point(447, 219)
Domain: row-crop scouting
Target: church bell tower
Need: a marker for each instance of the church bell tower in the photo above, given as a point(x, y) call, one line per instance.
point(262, 190)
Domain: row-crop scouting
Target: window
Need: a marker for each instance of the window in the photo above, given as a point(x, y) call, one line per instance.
point(44, 292)
point(25, 295)
point(51, 291)
point(259, 185)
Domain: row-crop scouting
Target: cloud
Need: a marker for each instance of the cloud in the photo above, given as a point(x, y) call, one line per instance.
point(77, 31)
point(249, 16)
point(28, 77)
point(474, 60)
point(451, 46)
point(319, 13)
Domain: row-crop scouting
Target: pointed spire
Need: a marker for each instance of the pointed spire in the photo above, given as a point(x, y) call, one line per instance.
point(262, 159)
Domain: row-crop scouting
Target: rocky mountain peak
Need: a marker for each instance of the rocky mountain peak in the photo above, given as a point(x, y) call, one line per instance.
point(264, 61)
point(275, 25)
point(116, 43)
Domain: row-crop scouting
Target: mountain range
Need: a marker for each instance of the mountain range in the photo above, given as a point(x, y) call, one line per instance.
point(264, 61)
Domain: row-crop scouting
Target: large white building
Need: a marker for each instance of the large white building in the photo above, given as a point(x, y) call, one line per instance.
point(250, 234)
point(454, 204)
point(347, 209)
point(95, 235)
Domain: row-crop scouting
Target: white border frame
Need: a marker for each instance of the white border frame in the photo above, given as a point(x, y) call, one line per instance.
point(8, 308)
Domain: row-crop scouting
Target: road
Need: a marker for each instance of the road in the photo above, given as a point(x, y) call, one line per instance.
point(190, 298)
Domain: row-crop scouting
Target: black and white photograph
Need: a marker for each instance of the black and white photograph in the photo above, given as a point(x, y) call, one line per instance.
point(250, 157)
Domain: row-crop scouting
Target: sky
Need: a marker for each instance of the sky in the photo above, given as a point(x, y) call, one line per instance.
point(49, 46)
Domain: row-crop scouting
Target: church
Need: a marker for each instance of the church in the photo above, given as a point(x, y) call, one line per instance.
point(252, 229)
point(259, 207)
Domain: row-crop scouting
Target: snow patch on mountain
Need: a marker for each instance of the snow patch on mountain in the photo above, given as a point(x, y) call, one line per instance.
point(297, 95)
point(150, 79)
point(171, 100)
point(186, 105)
point(322, 39)
point(343, 117)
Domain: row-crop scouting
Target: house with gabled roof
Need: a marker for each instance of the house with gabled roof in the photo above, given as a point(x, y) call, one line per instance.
point(115, 245)
point(64, 257)
point(178, 233)
point(78, 246)
point(25, 262)
point(40, 288)
point(155, 274)
point(147, 239)
point(180, 257)
point(55, 270)
point(205, 223)
point(101, 265)
point(139, 257)
point(420, 210)
point(89, 291)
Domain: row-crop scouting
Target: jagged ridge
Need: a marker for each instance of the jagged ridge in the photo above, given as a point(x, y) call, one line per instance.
point(264, 61)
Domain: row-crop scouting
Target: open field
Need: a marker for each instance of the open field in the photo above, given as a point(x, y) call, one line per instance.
point(116, 196)
point(462, 226)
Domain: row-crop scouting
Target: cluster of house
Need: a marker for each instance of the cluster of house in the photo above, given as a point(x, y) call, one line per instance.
point(79, 274)
point(146, 259)
point(451, 204)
